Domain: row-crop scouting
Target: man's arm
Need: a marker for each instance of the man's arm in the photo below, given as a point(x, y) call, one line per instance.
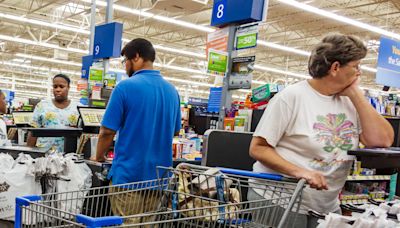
point(376, 130)
point(261, 151)
point(106, 137)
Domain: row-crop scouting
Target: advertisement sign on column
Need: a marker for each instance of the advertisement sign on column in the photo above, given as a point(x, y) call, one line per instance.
point(388, 70)
point(217, 62)
point(110, 80)
point(246, 37)
point(217, 40)
point(96, 75)
point(242, 72)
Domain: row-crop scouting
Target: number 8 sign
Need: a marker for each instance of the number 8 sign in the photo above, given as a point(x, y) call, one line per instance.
point(227, 12)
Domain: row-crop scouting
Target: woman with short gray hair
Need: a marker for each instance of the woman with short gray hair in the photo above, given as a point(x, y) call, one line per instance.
point(307, 129)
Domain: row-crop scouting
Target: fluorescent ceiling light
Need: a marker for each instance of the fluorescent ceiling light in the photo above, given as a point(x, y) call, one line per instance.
point(43, 23)
point(143, 13)
point(178, 68)
point(179, 51)
point(370, 69)
point(189, 82)
point(244, 90)
point(41, 68)
point(269, 69)
point(47, 45)
point(49, 60)
point(21, 60)
point(283, 48)
point(199, 76)
point(340, 18)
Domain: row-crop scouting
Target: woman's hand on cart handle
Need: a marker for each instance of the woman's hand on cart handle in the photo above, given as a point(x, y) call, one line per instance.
point(314, 178)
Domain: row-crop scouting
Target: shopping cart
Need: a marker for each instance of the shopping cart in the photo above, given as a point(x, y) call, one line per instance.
point(186, 196)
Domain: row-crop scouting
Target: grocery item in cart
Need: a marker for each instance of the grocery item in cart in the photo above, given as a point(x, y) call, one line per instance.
point(205, 185)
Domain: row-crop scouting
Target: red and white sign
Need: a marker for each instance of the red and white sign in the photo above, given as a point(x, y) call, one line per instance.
point(218, 40)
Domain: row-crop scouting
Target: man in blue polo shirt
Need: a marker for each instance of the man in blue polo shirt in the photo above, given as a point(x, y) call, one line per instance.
point(145, 111)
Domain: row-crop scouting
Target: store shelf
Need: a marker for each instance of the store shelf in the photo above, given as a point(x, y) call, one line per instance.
point(368, 178)
point(359, 201)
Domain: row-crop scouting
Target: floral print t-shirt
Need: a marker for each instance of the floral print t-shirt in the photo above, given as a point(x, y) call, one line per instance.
point(47, 115)
point(312, 131)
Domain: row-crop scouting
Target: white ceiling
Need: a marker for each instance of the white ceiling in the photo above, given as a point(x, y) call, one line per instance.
point(31, 31)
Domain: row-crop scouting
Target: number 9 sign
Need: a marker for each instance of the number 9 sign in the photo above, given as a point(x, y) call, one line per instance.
point(96, 49)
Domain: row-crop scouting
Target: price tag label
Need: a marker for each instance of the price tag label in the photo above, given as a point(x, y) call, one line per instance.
point(246, 37)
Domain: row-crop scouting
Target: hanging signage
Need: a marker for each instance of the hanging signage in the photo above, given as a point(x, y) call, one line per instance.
point(197, 101)
point(8, 94)
point(217, 40)
point(87, 62)
point(110, 80)
point(246, 37)
point(96, 75)
point(217, 62)
point(388, 70)
point(242, 72)
point(260, 93)
point(81, 85)
point(107, 41)
point(214, 100)
point(238, 11)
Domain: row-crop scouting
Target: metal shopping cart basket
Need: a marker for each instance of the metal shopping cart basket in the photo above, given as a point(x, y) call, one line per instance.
point(186, 196)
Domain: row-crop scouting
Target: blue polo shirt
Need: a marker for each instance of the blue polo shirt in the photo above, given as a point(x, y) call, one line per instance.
point(145, 111)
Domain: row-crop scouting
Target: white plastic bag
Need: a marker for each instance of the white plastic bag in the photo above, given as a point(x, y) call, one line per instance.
point(16, 182)
point(333, 220)
point(6, 162)
point(76, 179)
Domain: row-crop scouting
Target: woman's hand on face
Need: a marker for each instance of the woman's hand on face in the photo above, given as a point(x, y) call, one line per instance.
point(352, 89)
point(314, 178)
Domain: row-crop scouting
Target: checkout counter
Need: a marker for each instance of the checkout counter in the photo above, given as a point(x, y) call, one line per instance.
point(81, 140)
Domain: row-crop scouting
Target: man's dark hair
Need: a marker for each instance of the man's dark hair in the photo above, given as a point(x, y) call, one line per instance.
point(139, 46)
point(63, 76)
point(337, 47)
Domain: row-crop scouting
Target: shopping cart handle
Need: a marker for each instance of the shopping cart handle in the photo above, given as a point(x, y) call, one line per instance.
point(268, 176)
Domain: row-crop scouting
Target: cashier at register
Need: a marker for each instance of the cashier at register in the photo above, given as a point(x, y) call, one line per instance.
point(55, 113)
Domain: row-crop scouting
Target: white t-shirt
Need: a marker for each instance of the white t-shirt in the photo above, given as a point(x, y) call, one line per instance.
point(312, 131)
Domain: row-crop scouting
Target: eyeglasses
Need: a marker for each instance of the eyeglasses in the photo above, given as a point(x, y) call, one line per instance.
point(356, 67)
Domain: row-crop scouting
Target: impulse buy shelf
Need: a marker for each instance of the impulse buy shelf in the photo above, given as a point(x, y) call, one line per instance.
point(378, 158)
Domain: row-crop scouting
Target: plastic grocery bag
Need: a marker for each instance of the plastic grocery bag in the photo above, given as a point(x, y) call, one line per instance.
point(6, 162)
point(16, 182)
point(76, 180)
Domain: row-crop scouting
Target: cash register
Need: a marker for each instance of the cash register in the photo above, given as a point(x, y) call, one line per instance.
point(90, 121)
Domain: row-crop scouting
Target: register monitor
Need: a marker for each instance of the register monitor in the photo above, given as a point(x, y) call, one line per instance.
point(91, 116)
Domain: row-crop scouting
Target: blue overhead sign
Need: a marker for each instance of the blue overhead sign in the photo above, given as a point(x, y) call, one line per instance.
point(237, 12)
point(388, 70)
point(107, 41)
point(87, 62)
